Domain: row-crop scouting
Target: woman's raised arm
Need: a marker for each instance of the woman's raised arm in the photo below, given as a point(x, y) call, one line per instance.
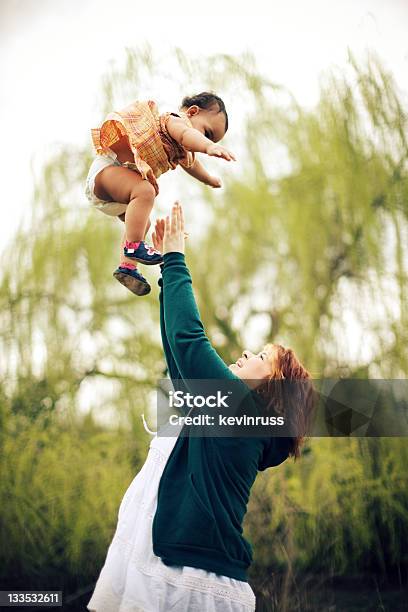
point(157, 238)
point(190, 347)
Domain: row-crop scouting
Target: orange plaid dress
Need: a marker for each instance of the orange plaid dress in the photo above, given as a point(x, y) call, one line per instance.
point(154, 150)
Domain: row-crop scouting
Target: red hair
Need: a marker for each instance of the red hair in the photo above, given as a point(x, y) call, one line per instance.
point(296, 407)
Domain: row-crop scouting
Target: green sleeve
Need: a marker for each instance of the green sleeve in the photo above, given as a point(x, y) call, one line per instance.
point(171, 364)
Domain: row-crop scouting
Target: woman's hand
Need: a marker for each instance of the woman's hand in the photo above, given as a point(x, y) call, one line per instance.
point(158, 235)
point(173, 239)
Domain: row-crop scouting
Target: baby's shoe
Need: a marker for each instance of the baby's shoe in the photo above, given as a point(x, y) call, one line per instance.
point(142, 252)
point(128, 275)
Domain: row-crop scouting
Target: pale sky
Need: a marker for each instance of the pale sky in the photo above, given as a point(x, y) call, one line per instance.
point(53, 53)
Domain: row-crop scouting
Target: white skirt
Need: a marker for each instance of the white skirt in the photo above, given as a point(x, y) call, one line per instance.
point(134, 579)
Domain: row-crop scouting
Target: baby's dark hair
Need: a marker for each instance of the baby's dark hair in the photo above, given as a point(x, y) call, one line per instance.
point(206, 100)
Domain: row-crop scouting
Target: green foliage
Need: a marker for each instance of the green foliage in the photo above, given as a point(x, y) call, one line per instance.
point(313, 222)
point(61, 485)
point(341, 510)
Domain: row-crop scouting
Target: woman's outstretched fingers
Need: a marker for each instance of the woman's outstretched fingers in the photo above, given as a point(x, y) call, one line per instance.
point(154, 240)
point(174, 237)
point(159, 228)
point(178, 217)
point(181, 218)
point(175, 217)
point(158, 234)
point(173, 220)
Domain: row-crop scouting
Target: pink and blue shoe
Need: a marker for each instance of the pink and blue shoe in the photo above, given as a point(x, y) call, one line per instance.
point(142, 252)
point(128, 275)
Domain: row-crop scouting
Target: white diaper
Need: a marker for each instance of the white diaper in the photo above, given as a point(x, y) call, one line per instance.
point(100, 162)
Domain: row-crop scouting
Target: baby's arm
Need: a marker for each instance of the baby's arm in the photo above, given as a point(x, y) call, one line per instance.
point(198, 171)
point(192, 140)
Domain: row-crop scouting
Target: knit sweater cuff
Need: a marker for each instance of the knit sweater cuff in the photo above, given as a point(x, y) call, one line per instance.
point(172, 256)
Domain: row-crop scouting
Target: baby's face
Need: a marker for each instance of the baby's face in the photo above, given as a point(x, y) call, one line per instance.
point(210, 122)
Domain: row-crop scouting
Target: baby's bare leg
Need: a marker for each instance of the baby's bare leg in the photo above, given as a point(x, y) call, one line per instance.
point(122, 258)
point(124, 185)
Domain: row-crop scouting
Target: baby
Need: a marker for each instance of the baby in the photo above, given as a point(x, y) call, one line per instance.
point(134, 147)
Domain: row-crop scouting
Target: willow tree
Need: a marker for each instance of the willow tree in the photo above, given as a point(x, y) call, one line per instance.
point(312, 221)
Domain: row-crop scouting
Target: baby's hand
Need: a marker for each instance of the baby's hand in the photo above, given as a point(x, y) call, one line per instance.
point(215, 150)
point(214, 181)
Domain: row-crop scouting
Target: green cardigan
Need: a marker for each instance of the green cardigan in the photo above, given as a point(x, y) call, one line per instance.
point(204, 489)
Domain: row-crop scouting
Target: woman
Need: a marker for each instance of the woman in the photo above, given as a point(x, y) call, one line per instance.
point(178, 544)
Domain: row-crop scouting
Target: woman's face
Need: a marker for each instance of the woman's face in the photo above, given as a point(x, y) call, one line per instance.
point(255, 368)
